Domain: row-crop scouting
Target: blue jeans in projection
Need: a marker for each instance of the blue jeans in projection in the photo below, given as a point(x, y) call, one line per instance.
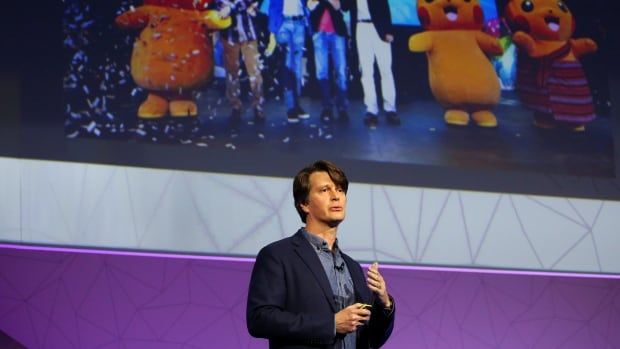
point(334, 45)
point(291, 37)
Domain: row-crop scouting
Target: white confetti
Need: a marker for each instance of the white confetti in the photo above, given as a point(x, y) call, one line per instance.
point(91, 126)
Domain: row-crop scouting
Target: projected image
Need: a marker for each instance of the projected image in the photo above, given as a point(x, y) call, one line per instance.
point(405, 13)
point(448, 83)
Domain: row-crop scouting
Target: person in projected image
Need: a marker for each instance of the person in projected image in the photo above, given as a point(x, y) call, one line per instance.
point(373, 34)
point(330, 40)
point(288, 25)
point(241, 38)
point(304, 291)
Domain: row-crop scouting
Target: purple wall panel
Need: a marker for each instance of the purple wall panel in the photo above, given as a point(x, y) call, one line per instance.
point(87, 300)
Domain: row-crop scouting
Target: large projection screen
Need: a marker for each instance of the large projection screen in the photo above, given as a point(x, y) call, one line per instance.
point(72, 101)
point(79, 103)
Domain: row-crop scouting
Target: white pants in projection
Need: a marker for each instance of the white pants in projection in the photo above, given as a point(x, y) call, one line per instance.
point(369, 48)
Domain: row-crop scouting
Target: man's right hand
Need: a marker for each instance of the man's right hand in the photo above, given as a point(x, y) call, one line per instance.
point(351, 317)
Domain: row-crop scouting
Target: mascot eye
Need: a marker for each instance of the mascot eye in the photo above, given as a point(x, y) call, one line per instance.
point(429, 1)
point(562, 6)
point(467, 1)
point(527, 6)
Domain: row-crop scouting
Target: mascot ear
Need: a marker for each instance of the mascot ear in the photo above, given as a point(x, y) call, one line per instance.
point(425, 17)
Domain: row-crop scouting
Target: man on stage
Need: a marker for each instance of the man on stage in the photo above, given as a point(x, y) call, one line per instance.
point(304, 291)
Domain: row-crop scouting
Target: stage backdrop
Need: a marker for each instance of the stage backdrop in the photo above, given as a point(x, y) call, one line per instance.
point(64, 300)
point(116, 207)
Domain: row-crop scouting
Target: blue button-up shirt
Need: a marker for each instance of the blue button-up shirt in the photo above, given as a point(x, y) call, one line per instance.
point(339, 278)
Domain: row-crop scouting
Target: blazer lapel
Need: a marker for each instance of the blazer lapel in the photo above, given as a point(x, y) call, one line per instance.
point(362, 293)
point(310, 258)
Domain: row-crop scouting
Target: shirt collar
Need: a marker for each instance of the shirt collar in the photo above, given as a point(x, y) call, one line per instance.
point(318, 242)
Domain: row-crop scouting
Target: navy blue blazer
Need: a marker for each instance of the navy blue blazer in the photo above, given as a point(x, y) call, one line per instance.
point(290, 301)
point(379, 13)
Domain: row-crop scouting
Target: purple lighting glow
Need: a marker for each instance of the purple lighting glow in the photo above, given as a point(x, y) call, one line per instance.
point(55, 297)
point(233, 259)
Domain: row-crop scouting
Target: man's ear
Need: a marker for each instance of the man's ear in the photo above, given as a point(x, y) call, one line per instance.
point(304, 206)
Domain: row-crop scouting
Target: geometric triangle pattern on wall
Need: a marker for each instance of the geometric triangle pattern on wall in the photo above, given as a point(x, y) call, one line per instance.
point(87, 300)
point(76, 204)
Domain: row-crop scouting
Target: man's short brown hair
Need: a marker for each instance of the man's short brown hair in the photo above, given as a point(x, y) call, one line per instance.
point(301, 183)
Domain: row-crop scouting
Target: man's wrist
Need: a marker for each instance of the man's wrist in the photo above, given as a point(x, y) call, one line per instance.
point(387, 304)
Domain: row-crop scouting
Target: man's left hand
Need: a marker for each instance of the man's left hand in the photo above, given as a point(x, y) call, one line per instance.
point(376, 284)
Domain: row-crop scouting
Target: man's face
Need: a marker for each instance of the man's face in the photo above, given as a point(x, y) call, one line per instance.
point(326, 201)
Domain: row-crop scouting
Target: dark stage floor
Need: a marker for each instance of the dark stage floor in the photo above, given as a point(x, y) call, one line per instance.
point(422, 138)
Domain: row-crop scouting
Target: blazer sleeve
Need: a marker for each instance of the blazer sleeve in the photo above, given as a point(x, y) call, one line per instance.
point(267, 316)
point(345, 5)
point(381, 323)
point(381, 17)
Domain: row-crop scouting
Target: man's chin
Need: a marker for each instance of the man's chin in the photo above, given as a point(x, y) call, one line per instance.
point(334, 223)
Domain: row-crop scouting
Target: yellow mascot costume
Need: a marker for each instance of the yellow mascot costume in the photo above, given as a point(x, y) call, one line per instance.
point(550, 79)
point(173, 54)
point(461, 75)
